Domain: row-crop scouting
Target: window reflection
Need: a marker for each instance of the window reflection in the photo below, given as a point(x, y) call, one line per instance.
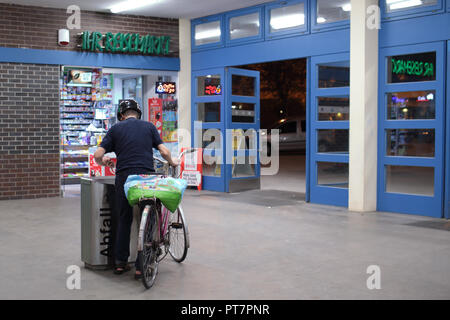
point(208, 112)
point(410, 142)
point(207, 33)
point(242, 112)
point(287, 17)
point(399, 5)
point(333, 109)
point(333, 140)
point(333, 10)
point(244, 26)
point(410, 180)
point(334, 76)
point(332, 174)
point(411, 105)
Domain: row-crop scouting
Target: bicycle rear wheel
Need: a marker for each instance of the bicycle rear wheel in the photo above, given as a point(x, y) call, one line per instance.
point(148, 245)
point(178, 236)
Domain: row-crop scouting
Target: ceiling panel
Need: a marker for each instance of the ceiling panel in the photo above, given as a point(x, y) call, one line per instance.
point(185, 9)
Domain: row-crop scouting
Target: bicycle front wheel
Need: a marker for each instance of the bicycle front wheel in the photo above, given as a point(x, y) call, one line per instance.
point(148, 245)
point(178, 236)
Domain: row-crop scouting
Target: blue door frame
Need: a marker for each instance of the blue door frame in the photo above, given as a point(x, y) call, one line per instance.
point(325, 194)
point(255, 125)
point(447, 140)
point(407, 203)
point(214, 183)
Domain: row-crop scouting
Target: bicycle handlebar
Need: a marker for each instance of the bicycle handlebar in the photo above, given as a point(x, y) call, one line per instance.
point(179, 157)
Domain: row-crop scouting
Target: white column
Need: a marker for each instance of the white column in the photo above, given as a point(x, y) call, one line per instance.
point(363, 109)
point(184, 81)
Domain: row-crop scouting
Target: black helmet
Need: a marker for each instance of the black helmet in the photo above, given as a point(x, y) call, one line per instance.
point(128, 104)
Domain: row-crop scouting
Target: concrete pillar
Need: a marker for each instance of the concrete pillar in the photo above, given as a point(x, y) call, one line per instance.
point(184, 82)
point(363, 109)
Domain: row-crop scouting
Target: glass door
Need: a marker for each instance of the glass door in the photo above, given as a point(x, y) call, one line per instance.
point(242, 123)
point(329, 118)
point(208, 125)
point(411, 130)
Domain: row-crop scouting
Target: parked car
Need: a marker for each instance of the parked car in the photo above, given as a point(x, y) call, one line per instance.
point(292, 135)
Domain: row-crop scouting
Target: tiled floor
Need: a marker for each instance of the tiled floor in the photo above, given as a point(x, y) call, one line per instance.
point(255, 245)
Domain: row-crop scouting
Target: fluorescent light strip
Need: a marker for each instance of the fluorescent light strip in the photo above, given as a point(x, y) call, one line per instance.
point(130, 5)
point(347, 7)
point(321, 20)
point(288, 21)
point(405, 4)
point(207, 34)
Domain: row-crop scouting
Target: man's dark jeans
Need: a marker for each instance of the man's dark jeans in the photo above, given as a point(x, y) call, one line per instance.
point(125, 217)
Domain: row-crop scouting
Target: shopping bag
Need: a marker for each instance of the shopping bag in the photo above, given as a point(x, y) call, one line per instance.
point(168, 190)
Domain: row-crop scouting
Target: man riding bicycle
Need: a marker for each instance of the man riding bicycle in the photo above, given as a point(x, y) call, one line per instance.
point(133, 141)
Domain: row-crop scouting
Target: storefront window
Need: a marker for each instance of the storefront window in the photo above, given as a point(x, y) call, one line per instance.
point(399, 5)
point(410, 142)
point(211, 142)
point(243, 165)
point(411, 105)
point(333, 109)
point(333, 10)
point(287, 17)
point(206, 33)
point(244, 26)
point(208, 112)
point(412, 67)
point(334, 76)
point(209, 85)
point(333, 140)
point(244, 169)
point(332, 174)
point(242, 112)
point(242, 86)
point(288, 127)
point(410, 180)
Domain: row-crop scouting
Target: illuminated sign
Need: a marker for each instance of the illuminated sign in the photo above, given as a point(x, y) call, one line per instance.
point(125, 43)
point(418, 68)
point(412, 67)
point(165, 87)
point(211, 90)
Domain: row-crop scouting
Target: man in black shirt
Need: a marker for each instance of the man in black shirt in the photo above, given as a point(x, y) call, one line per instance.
point(133, 141)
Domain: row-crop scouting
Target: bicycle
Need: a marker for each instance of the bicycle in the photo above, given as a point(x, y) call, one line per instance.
point(161, 231)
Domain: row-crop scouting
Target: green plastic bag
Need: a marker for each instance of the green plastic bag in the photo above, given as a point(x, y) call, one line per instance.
point(168, 190)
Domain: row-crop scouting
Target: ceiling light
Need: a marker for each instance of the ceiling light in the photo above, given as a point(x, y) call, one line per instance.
point(394, 5)
point(321, 20)
point(130, 5)
point(207, 34)
point(347, 7)
point(289, 21)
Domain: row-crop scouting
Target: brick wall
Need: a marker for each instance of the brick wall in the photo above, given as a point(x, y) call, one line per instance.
point(29, 131)
point(37, 28)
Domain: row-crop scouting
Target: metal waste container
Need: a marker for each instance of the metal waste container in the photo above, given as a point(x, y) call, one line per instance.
point(98, 223)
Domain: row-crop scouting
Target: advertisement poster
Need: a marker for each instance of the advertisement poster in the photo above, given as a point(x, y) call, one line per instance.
point(170, 117)
point(191, 168)
point(96, 170)
point(155, 109)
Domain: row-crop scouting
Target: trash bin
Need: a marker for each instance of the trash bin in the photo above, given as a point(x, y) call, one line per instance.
point(98, 223)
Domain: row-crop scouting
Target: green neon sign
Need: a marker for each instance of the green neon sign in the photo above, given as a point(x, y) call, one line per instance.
point(125, 43)
point(411, 67)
